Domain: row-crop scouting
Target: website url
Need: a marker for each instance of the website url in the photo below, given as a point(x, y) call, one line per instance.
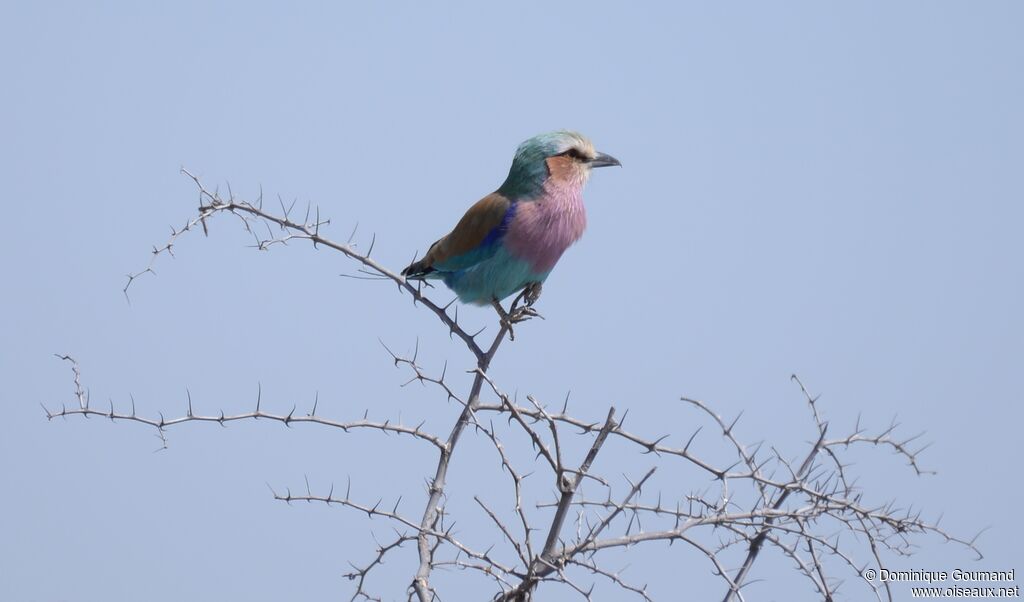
point(965, 592)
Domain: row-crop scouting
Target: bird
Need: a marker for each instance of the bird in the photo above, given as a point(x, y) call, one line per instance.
point(510, 240)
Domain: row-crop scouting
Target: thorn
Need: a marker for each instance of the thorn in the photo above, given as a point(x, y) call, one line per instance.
point(728, 430)
point(316, 229)
point(692, 437)
point(388, 349)
point(653, 447)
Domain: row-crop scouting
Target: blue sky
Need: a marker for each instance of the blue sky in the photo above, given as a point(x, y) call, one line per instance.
point(828, 190)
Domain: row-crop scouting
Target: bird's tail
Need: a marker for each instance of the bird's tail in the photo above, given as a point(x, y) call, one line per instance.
point(418, 270)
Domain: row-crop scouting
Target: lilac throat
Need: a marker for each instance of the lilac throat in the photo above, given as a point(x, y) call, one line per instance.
point(544, 228)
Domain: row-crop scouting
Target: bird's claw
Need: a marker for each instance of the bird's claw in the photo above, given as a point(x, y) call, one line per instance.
point(531, 293)
point(523, 314)
point(519, 313)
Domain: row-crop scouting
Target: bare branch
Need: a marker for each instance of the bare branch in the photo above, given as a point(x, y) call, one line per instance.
point(799, 508)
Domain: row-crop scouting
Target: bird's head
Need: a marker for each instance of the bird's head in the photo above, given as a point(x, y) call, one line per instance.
point(564, 156)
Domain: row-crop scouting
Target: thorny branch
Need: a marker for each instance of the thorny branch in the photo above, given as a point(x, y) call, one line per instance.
point(761, 498)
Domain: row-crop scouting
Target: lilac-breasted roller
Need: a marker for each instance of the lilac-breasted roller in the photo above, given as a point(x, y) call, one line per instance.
point(512, 238)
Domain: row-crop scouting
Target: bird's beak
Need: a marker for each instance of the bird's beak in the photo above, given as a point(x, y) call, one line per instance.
point(603, 160)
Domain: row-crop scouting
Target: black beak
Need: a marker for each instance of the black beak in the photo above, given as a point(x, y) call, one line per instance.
point(603, 160)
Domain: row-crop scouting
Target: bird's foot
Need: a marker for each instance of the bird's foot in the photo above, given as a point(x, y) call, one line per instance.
point(531, 293)
point(529, 296)
point(519, 313)
point(523, 314)
point(504, 318)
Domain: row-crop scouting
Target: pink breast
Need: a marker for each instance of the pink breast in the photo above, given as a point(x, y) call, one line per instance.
point(543, 229)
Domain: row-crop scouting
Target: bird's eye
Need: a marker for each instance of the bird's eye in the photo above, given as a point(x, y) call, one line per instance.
point(574, 153)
